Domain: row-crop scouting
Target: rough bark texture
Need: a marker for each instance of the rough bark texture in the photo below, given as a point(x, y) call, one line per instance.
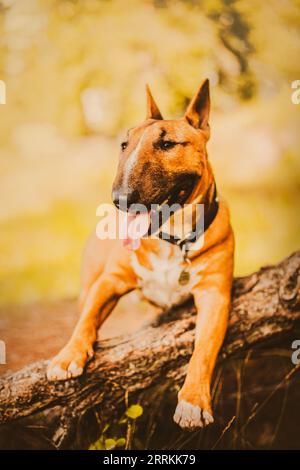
point(265, 307)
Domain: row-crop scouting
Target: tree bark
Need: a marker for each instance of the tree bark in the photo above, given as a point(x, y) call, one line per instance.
point(265, 308)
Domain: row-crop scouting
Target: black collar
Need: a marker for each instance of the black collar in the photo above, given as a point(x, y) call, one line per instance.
point(192, 237)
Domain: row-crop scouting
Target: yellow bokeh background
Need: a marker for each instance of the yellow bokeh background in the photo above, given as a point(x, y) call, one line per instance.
point(75, 73)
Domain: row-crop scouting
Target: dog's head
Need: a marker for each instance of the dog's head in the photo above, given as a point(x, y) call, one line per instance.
point(164, 161)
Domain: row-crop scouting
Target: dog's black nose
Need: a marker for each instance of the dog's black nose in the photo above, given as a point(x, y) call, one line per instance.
point(123, 201)
point(118, 198)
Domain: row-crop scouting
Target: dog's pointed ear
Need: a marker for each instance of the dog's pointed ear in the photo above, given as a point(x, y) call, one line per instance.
point(197, 112)
point(152, 109)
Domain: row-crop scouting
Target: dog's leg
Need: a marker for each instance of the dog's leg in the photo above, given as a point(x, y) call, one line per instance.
point(212, 299)
point(99, 302)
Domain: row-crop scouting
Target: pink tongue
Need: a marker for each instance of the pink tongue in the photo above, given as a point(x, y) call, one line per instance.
point(135, 226)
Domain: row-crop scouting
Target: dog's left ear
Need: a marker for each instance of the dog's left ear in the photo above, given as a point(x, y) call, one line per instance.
point(197, 113)
point(152, 109)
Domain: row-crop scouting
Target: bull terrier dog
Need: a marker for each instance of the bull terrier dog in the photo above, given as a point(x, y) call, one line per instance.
point(163, 162)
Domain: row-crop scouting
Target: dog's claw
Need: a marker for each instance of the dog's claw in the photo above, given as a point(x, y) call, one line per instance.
point(56, 373)
point(191, 417)
point(74, 370)
point(207, 417)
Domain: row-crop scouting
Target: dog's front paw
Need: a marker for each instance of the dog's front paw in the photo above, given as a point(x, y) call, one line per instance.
point(69, 362)
point(190, 417)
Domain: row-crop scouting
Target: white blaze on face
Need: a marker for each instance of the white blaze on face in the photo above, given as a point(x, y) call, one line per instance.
point(131, 162)
point(134, 226)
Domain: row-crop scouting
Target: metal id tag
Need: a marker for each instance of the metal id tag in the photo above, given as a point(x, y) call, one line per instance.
point(184, 277)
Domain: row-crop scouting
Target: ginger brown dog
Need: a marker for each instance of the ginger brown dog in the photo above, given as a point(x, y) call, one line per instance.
point(163, 160)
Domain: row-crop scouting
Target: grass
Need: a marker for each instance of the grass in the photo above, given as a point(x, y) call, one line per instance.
point(255, 407)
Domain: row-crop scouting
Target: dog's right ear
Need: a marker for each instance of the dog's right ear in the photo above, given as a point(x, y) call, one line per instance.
point(152, 109)
point(197, 113)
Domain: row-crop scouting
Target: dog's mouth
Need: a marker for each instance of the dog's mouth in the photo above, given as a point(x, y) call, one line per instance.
point(138, 225)
point(179, 194)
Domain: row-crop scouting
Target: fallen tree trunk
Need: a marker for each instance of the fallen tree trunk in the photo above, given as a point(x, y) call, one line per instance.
point(265, 307)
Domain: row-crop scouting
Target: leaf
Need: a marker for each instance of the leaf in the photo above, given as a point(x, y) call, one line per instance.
point(98, 445)
point(110, 444)
point(121, 442)
point(134, 411)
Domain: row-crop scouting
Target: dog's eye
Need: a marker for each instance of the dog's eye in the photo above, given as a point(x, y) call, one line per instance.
point(167, 144)
point(124, 145)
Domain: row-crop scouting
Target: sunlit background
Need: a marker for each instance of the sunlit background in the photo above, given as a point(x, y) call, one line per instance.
point(75, 73)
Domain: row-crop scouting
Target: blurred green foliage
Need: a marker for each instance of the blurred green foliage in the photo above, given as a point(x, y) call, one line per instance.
point(75, 73)
point(126, 424)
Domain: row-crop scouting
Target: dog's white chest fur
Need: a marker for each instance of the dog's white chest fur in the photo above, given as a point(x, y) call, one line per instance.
point(160, 284)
